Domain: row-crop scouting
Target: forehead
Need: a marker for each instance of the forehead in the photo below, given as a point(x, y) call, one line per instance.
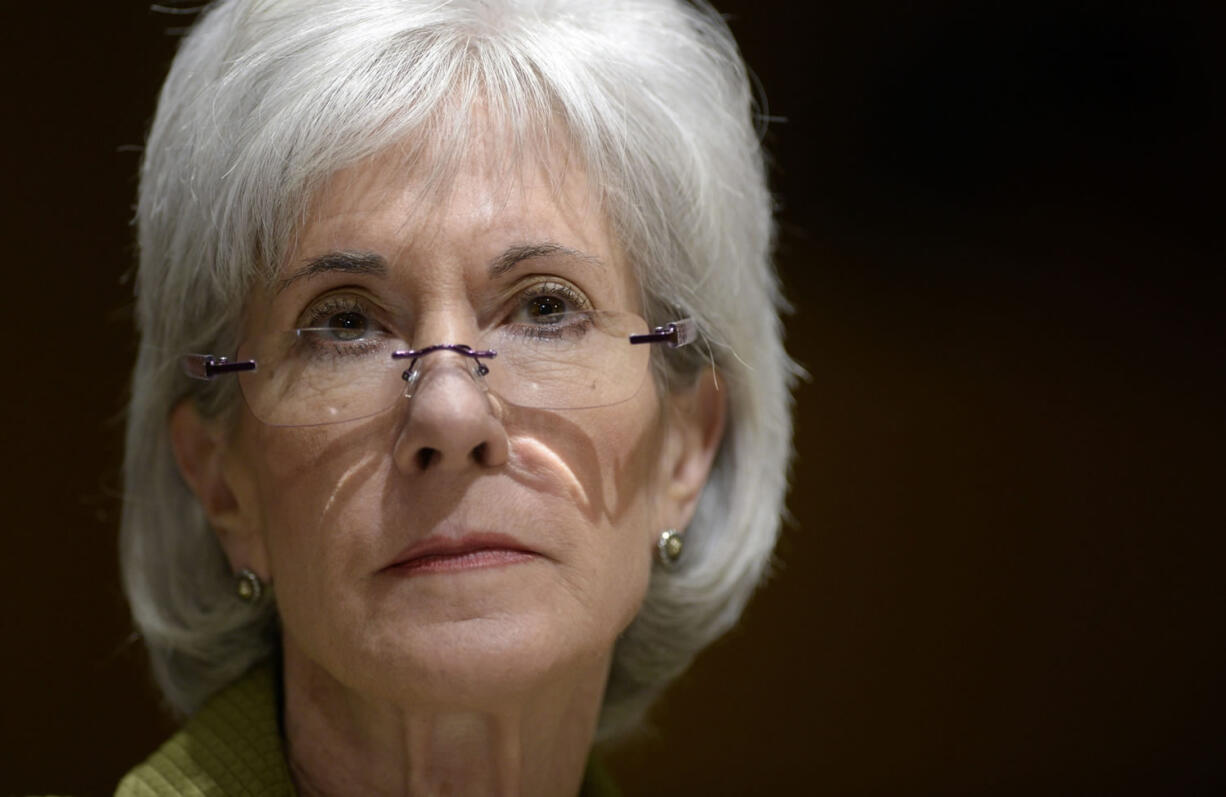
point(484, 191)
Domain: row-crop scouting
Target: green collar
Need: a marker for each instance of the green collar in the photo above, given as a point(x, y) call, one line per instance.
point(230, 746)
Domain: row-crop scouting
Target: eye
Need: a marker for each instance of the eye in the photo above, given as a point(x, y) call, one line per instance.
point(542, 307)
point(348, 325)
point(341, 325)
point(548, 313)
point(548, 303)
point(340, 317)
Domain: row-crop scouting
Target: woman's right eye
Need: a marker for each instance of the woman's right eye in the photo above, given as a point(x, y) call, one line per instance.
point(341, 325)
point(339, 317)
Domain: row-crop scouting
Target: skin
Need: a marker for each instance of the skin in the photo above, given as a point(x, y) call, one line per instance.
point(484, 680)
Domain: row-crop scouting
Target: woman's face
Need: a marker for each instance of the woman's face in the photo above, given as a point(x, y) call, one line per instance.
point(548, 518)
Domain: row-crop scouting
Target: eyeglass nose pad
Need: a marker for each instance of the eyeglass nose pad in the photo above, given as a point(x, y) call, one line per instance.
point(413, 375)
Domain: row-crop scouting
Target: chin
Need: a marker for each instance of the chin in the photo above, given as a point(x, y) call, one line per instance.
point(477, 661)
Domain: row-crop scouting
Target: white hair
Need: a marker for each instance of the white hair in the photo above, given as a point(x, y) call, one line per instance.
point(268, 98)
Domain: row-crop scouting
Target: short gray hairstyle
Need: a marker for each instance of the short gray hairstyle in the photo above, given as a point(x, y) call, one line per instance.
point(268, 98)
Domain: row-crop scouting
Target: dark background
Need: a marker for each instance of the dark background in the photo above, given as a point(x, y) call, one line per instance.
point(1000, 227)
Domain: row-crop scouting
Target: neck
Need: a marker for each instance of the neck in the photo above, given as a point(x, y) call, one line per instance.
point(342, 742)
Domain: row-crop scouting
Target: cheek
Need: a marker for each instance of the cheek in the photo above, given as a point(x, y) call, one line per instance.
point(604, 460)
point(311, 481)
point(614, 465)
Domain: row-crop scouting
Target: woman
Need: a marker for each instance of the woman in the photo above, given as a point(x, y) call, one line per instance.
point(461, 419)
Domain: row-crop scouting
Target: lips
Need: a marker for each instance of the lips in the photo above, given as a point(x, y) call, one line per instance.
point(473, 551)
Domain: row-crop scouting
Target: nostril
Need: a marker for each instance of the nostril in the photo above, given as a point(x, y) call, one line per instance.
point(425, 456)
point(480, 453)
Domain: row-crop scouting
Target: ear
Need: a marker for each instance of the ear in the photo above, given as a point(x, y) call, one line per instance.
point(695, 431)
point(202, 451)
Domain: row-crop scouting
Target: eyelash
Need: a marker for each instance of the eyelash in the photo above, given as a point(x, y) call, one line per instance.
point(317, 314)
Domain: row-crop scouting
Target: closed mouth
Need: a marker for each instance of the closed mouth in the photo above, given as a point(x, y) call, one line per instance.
point(474, 551)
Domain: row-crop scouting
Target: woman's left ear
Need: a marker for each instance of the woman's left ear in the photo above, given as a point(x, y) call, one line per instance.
point(696, 423)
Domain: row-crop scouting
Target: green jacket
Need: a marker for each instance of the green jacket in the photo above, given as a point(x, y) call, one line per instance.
point(233, 746)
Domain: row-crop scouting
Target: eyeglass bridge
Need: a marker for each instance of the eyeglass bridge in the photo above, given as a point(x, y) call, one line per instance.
point(413, 355)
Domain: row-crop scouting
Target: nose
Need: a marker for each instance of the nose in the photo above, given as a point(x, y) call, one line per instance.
point(451, 423)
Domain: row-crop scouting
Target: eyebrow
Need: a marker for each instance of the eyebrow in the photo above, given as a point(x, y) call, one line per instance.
point(374, 264)
point(516, 254)
point(346, 262)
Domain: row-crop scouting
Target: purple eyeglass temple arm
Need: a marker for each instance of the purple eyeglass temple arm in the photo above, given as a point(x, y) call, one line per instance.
point(206, 366)
point(675, 334)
